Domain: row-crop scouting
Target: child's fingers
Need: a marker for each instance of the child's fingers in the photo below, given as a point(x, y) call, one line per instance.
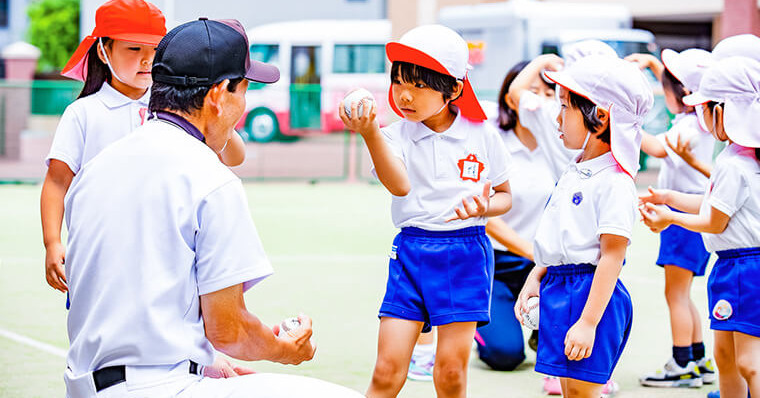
point(468, 208)
point(480, 204)
point(459, 215)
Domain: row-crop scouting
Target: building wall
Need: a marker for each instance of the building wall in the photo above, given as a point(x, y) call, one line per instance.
point(252, 12)
point(17, 23)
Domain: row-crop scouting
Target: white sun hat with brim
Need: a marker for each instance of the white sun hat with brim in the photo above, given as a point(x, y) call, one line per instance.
point(572, 52)
point(734, 82)
point(688, 66)
point(619, 87)
point(745, 45)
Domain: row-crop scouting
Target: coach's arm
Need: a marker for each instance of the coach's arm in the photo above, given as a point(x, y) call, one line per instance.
point(236, 332)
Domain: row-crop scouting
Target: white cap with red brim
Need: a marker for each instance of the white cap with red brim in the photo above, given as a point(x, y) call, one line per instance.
point(745, 45)
point(735, 82)
point(619, 87)
point(440, 49)
point(688, 66)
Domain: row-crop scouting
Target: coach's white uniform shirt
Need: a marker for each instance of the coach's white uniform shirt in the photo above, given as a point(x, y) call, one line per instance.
point(735, 190)
point(591, 198)
point(91, 123)
point(675, 173)
point(443, 169)
point(155, 220)
point(540, 117)
point(531, 182)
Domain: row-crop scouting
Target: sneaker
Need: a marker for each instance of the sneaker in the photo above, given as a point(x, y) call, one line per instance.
point(552, 385)
point(707, 370)
point(673, 375)
point(533, 340)
point(420, 370)
point(610, 389)
point(713, 394)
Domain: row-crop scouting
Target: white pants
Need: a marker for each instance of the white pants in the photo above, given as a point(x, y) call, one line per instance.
point(259, 385)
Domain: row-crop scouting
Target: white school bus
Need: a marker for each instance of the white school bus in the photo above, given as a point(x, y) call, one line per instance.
point(319, 62)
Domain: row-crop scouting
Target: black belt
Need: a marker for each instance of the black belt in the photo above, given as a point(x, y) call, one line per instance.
point(113, 375)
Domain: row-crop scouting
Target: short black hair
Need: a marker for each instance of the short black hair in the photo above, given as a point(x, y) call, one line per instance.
point(590, 118)
point(670, 82)
point(411, 73)
point(185, 99)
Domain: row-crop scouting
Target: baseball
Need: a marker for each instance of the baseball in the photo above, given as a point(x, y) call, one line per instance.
point(530, 318)
point(356, 96)
point(288, 325)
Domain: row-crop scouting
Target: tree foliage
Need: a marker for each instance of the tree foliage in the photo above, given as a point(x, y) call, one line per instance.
point(54, 29)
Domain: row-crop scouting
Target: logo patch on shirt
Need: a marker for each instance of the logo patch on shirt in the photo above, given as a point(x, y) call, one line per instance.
point(470, 168)
point(722, 310)
point(577, 198)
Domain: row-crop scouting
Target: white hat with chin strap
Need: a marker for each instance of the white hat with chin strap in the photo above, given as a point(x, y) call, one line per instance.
point(619, 87)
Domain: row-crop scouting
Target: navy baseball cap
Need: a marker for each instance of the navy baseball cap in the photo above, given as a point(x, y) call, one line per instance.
point(206, 52)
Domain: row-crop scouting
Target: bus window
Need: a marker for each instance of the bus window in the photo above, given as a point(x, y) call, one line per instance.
point(359, 58)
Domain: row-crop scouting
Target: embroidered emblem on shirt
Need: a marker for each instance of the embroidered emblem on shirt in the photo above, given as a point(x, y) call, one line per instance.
point(722, 310)
point(585, 173)
point(577, 198)
point(470, 168)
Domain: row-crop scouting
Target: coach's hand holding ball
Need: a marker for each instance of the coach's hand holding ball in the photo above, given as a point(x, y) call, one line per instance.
point(295, 336)
point(358, 111)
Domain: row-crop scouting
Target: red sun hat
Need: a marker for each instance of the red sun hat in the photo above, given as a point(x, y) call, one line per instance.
point(135, 21)
point(440, 49)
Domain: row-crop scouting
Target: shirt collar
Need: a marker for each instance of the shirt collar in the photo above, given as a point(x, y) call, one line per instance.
point(179, 122)
point(593, 166)
point(422, 131)
point(112, 98)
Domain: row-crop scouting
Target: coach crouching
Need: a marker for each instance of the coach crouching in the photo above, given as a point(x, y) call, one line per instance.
point(161, 244)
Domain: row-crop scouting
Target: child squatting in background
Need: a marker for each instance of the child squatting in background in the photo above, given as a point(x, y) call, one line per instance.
point(439, 162)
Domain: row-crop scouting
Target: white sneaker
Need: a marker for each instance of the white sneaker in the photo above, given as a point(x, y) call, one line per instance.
point(673, 375)
point(706, 370)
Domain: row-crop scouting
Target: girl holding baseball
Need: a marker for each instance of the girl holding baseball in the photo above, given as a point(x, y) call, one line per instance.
point(581, 241)
point(728, 216)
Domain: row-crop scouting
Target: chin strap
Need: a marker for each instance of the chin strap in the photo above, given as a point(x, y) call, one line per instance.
point(108, 62)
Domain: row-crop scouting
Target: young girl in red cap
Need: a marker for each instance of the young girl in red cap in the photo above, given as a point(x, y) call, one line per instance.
point(114, 62)
point(439, 163)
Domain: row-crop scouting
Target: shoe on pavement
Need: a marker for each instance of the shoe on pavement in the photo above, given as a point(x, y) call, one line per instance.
point(673, 375)
point(533, 340)
point(421, 370)
point(707, 370)
point(552, 385)
point(610, 389)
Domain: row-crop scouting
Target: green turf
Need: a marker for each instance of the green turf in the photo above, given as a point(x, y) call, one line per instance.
point(328, 244)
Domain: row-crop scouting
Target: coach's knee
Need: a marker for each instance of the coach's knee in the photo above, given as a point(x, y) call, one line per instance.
point(502, 358)
point(388, 374)
point(450, 377)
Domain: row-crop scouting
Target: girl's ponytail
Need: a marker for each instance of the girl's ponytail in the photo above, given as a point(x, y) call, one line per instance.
point(97, 72)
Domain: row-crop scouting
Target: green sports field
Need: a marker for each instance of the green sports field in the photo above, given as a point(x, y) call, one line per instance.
point(328, 244)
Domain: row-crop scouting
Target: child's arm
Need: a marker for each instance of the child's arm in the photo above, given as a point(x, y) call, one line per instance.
point(526, 77)
point(507, 236)
point(390, 170)
point(54, 189)
point(657, 218)
point(648, 61)
point(579, 340)
point(652, 146)
point(234, 153)
point(531, 288)
point(485, 205)
point(686, 202)
point(681, 148)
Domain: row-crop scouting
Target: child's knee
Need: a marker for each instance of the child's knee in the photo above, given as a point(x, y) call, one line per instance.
point(388, 373)
point(748, 365)
point(450, 377)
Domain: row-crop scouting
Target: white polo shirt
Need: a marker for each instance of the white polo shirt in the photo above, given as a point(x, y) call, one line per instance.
point(540, 117)
point(443, 169)
point(675, 173)
point(91, 123)
point(155, 221)
point(735, 190)
point(591, 198)
point(531, 182)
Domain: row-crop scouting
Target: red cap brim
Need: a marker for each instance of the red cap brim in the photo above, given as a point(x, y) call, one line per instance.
point(76, 67)
point(468, 104)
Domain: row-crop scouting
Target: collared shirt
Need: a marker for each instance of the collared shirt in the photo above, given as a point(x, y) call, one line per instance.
point(531, 183)
point(734, 190)
point(540, 117)
point(675, 173)
point(443, 169)
point(592, 198)
point(155, 221)
point(92, 123)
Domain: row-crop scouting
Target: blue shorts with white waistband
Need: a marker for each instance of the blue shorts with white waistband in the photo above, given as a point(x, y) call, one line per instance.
point(735, 283)
point(564, 291)
point(684, 249)
point(440, 277)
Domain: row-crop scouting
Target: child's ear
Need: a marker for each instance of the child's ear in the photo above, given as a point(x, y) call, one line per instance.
point(458, 87)
point(604, 116)
point(720, 128)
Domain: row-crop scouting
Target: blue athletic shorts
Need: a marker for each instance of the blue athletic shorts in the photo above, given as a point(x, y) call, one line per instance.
point(684, 249)
point(733, 291)
point(564, 291)
point(440, 277)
